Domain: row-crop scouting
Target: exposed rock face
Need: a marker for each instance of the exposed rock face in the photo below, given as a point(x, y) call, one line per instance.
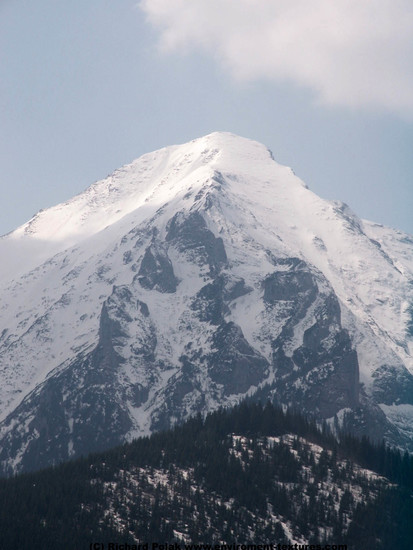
point(191, 236)
point(392, 385)
point(322, 372)
point(156, 271)
point(84, 408)
point(211, 290)
point(88, 405)
point(293, 280)
point(236, 365)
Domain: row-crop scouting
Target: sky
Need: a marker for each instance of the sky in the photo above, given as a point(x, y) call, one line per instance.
point(86, 87)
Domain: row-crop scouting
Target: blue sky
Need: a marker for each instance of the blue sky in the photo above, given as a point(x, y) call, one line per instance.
point(88, 86)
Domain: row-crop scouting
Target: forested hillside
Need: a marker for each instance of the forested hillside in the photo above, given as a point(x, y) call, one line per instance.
point(253, 474)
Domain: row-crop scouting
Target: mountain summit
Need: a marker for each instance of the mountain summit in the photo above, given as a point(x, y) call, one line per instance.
point(189, 279)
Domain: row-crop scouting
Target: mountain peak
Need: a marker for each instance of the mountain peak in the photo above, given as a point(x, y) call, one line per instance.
point(191, 277)
point(145, 184)
point(231, 145)
point(134, 184)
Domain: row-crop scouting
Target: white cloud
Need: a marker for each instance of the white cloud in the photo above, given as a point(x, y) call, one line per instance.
point(357, 53)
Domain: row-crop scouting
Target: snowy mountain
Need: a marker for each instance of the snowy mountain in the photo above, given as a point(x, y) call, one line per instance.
point(195, 276)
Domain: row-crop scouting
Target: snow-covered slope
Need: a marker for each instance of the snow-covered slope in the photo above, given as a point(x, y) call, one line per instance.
point(194, 276)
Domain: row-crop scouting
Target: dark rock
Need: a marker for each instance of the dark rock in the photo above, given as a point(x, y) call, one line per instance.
point(290, 282)
point(209, 302)
point(71, 414)
point(392, 385)
point(234, 287)
point(322, 373)
point(236, 365)
point(139, 395)
point(156, 270)
point(191, 235)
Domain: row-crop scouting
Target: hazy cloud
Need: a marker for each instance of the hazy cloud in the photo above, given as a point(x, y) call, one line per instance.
point(357, 53)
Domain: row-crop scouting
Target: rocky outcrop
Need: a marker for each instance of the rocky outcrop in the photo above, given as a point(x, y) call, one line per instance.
point(156, 271)
point(313, 356)
point(235, 365)
point(190, 234)
point(84, 408)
